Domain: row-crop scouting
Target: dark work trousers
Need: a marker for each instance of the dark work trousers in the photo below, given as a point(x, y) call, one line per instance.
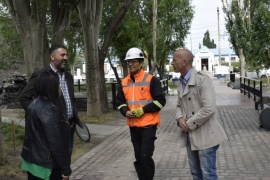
point(73, 130)
point(143, 140)
point(55, 175)
point(32, 177)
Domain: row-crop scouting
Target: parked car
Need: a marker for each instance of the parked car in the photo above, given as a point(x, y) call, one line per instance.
point(263, 73)
point(220, 71)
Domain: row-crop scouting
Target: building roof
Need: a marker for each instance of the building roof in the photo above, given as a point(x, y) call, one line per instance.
point(223, 51)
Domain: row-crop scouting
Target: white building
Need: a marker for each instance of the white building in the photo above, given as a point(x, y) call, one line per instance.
point(205, 58)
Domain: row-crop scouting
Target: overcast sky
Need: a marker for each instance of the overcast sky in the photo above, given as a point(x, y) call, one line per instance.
point(206, 18)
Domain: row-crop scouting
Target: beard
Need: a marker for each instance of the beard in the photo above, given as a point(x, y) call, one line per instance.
point(60, 64)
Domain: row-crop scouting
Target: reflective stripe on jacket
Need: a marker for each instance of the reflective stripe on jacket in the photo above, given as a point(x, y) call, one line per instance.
point(137, 95)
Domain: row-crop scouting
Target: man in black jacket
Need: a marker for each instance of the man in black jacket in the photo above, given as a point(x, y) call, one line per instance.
point(58, 57)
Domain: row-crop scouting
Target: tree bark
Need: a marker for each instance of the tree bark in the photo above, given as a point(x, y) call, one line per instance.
point(242, 62)
point(90, 12)
point(104, 49)
point(30, 21)
point(60, 14)
point(2, 144)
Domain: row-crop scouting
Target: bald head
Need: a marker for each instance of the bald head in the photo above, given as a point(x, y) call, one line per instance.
point(185, 54)
point(182, 61)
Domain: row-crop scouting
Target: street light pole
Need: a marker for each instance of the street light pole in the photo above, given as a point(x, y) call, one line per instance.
point(219, 56)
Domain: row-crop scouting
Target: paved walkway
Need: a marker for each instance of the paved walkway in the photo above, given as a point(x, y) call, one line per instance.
point(245, 155)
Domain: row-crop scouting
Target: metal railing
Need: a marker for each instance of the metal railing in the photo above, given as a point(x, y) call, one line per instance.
point(252, 87)
point(114, 85)
point(164, 85)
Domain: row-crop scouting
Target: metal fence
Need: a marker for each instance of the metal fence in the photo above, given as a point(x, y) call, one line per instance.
point(113, 90)
point(252, 87)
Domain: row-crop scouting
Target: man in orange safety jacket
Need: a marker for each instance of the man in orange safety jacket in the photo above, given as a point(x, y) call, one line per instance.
point(140, 97)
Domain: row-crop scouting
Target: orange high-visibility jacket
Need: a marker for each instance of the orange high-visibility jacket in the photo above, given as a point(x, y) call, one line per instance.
point(137, 95)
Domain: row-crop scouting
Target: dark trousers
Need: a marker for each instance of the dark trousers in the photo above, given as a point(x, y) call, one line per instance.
point(143, 140)
point(32, 177)
point(55, 175)
point(73, 130)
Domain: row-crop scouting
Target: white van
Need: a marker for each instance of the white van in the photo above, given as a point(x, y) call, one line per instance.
point(263, 73)
point(220, 71)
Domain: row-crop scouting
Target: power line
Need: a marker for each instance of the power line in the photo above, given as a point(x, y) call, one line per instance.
point(198, 27)
point(205, 31)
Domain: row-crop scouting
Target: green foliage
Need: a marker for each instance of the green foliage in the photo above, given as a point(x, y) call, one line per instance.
point(11, 52)
point(173, 23)
point(74, 40)
point(249, 30)
point(260, 47)
point(207, 41)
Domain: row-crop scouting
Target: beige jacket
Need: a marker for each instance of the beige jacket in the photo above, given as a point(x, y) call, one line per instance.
point(198, 104)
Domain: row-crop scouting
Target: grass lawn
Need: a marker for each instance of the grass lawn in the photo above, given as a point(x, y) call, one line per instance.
point(12, 148)
point(10, 168)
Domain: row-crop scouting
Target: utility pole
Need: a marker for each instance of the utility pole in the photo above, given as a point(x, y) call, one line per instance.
point(154, 33)
point(249, 18)
point(219, 56)
point(190, 43)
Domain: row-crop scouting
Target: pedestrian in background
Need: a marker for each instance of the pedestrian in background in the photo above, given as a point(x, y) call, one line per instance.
point(140, 97)
point(58, 62)
point(200, 131)
point(46, 149)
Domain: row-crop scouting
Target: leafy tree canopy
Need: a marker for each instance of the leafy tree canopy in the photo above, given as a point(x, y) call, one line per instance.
point(11, 53)
point(249, 29)
point(207, 41)
point(173, 23)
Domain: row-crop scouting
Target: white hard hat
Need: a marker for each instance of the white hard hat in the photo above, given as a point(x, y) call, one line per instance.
point(134, 53)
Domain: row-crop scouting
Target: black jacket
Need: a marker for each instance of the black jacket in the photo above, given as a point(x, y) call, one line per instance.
point(28, 93)
point(47, 136)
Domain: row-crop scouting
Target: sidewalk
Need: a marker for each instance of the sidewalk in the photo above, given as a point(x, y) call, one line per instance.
point(245, 155)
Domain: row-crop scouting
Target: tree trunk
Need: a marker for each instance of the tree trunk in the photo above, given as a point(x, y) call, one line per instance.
point(2, 144)
point(30, 21)
point(124, 65)
point(90, 12)
point(104, 49)
point(242, 62)
point(60, 14)
point(102, 83)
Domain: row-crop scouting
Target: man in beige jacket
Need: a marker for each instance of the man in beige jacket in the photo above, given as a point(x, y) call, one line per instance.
point(200, 130)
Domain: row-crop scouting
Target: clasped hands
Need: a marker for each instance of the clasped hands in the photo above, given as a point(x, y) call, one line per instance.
point(183, 124)
point(136, 112)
